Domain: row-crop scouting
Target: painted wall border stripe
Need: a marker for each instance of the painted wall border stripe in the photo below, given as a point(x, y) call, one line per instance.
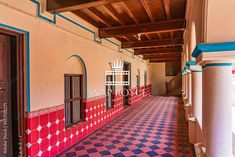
point(217, 64)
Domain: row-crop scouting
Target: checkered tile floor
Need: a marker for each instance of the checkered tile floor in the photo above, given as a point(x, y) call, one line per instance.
point(155, 127)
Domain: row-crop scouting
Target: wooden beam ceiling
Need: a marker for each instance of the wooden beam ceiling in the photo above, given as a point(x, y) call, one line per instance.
point(152, 43)
point(164, 26)
point(158, 51)
point(168, 13)
point(164, 60)
point(57, 6)
point(161, 56)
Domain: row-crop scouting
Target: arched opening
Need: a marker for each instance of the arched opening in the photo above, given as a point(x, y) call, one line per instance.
point(75, 85)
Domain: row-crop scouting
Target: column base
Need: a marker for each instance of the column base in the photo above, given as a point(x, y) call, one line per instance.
point(199, 150)
point(194, 130)
point(187, 111)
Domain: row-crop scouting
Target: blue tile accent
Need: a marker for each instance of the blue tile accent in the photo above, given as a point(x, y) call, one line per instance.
point(137, 151)
point(118, 155)
point(92, 150)
point(123, 149)
point(213, 47)
point(152, 153)
point(105, 152)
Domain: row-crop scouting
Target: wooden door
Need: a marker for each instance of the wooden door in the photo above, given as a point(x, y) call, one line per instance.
point(109, 93)
point(126, 67)
point(5, 98)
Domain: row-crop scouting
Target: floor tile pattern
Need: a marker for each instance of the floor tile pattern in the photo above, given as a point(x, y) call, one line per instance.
point(155, 127)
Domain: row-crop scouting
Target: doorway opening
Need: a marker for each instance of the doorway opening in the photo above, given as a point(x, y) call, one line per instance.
point(109, 93)
point(11, 94)
point(126, 88)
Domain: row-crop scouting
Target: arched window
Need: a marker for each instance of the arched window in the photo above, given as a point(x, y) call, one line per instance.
point(75, 89)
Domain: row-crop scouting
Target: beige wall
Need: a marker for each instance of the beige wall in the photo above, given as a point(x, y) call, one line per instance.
point(52, 44)
point(194, 32)
point(158, 78)
point(220, 21)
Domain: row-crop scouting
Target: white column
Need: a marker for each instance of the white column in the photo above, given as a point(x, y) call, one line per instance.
point(189, 88)
point(196, 92)
point(217, 114)
point(195, 122)
point(186, 86)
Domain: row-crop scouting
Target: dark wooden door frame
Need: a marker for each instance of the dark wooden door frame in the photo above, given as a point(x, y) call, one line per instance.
point(129, 86)
point(21, 105)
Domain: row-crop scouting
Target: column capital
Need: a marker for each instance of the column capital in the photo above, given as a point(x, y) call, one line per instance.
point(193, 66)
point(210, 53)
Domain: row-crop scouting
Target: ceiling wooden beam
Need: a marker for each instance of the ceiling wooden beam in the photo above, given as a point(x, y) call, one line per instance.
point(113, 13)
point(127, 10)
point(158, 51)
point(161, 56)
point(57, 6)
point(163, 26)
point(168, 13)
point(97, 15)
point(152, 43)
point(164, 60)
point(147, 10)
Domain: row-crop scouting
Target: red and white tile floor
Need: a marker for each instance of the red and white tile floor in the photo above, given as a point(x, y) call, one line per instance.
point(156, 127)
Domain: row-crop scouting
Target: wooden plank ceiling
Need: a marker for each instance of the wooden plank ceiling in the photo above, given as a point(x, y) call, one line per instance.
point(152, 28)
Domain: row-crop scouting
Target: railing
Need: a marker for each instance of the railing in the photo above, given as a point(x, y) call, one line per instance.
point(173, 86)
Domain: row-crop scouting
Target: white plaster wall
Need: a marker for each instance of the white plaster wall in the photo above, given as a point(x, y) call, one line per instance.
point(51, 45)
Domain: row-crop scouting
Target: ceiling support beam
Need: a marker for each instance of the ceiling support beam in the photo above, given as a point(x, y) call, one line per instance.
point(158, 51)
point(164, 26)
point(161, 57)
point(152, 43)
point(58, 6)
point(164, 60)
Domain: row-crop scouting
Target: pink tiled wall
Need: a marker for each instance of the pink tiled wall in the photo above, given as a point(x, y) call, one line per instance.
point(46, 133)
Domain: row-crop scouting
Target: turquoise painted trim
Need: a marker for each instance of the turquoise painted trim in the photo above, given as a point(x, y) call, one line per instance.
point(85, 69)
point(81, 26)
point(41, 16)
point(196, 71)
point(191, 63)
point(27, 48)
point(217, 64)
point(213, 47)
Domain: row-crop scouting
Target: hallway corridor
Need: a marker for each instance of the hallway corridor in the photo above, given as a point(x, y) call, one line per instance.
point(155, 127)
